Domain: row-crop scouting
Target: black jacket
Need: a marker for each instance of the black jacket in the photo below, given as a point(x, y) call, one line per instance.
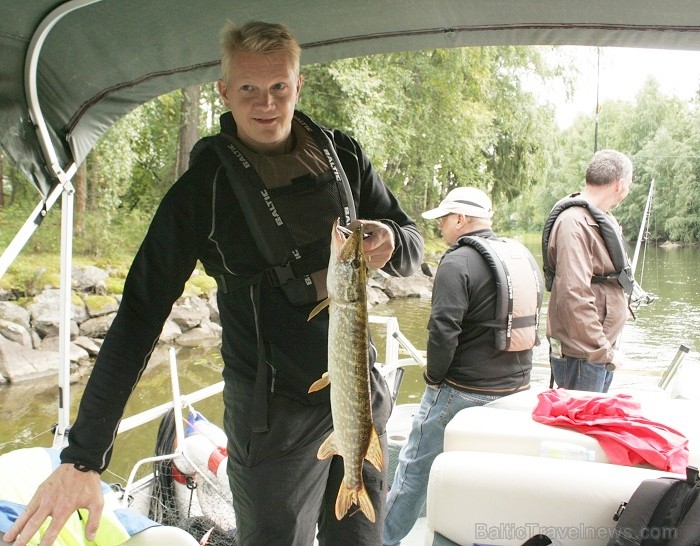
point(459, 351)
point(200, 219)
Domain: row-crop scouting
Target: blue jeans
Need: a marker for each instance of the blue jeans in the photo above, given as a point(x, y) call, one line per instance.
point(579, 374)
point(410, 488)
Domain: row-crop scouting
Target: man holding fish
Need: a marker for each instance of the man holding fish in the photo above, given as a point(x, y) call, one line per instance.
point(257, 207)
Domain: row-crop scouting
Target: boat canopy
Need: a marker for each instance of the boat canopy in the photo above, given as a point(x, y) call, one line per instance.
point(82, 64)
point(70, 69)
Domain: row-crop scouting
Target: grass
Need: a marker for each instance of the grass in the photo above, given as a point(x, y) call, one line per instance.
point(31, 272)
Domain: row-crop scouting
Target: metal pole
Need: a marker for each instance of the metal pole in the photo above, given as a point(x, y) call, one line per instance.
point(31, 63)
point(65, 308)
point(29, 227)
point(672, 369)
point(597, 105)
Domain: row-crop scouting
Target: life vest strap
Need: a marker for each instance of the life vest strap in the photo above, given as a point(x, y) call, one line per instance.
point(516, 322)
point(611, 236)
point(297, 269)
point(518, 291)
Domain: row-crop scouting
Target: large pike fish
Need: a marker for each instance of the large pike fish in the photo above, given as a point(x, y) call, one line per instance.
point(354, 437)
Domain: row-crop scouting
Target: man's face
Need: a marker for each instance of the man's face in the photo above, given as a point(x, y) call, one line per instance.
point(261, 93)
point(623, 189)
point(449, 227)
point(626, 187)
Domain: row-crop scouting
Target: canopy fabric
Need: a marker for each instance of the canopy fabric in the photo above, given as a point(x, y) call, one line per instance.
point(106, 57)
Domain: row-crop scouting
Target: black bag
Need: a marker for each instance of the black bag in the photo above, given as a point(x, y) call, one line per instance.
point(660, 511)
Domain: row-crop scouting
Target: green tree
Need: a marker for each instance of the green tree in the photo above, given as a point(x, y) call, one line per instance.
point(432, 120)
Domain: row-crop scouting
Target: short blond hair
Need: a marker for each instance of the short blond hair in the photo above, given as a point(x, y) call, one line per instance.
point(257, 37)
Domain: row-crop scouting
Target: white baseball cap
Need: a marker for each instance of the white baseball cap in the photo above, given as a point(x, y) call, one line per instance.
point(467, 201)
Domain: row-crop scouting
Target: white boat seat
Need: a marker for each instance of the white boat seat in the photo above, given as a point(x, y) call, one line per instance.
point(504, 498)
point(506, 426)
point(504, 431)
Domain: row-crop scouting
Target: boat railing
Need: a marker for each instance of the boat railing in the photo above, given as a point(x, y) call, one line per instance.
point(392, 370)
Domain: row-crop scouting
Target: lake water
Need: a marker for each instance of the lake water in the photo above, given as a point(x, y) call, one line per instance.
point(649, 342)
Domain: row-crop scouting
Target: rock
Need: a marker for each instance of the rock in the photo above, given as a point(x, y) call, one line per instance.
point(428, 269)
point(193, 321)
point(15, 332)
point(375, 294)
point(98, 305)
point(75, 352)
point(18, 363)
point(88, 278)
point(170, 331)
point(189, 312)
point(45, 311)
point(417, 285)
point(206, 334)
point(213, 307)
point(15, 313)
point(88, 344)
point(36, 338)
point(97, 326)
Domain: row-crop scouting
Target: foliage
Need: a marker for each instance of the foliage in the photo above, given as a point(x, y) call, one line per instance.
point(437, 119)
point(430, 121)
point(661, 135)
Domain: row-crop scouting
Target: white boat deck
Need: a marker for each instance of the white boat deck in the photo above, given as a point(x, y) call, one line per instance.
point(417, 535)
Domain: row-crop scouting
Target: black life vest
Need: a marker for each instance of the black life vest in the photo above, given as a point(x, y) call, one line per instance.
point(519, 291)
point(293, 247)
point(622, 273)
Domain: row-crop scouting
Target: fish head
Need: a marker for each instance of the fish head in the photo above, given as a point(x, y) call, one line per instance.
point(347, 268)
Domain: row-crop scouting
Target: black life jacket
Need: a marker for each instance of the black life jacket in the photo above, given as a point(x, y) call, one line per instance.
point(519, 291)
point(622, 273)
point(278, 219)
point(293, 247)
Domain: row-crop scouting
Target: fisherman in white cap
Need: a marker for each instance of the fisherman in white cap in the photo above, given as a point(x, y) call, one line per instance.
point(469, 202)
point(470, 361)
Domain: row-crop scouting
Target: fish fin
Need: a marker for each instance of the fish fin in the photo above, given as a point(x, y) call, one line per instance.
point(365, 504)
point(328, 448)
point(320, 307)
point(320, 383)
point(375, 455)
point(347, 497)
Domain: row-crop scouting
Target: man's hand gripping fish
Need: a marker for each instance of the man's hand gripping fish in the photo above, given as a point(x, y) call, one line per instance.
point(354, 437)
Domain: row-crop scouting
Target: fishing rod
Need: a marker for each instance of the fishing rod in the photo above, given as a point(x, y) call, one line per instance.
point(642, 227)
point(639, 296)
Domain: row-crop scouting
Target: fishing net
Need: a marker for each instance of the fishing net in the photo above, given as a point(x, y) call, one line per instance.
point(184, 492)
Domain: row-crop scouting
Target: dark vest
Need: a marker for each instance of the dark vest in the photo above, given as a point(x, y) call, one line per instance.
point(293, 246)
point(278, 218)
point(622, 273)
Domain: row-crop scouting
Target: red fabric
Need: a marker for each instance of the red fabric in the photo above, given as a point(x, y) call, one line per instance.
point(623, 433)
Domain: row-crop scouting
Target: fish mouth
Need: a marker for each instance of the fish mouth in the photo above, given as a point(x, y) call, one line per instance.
point(348, 243)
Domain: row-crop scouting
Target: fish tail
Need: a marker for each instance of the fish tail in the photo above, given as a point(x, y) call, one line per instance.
point(347, 497)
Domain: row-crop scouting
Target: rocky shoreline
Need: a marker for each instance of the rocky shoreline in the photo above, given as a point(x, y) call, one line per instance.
point(29, 325)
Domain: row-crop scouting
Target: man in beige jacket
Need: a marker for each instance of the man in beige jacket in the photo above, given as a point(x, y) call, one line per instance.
point(588, 305)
